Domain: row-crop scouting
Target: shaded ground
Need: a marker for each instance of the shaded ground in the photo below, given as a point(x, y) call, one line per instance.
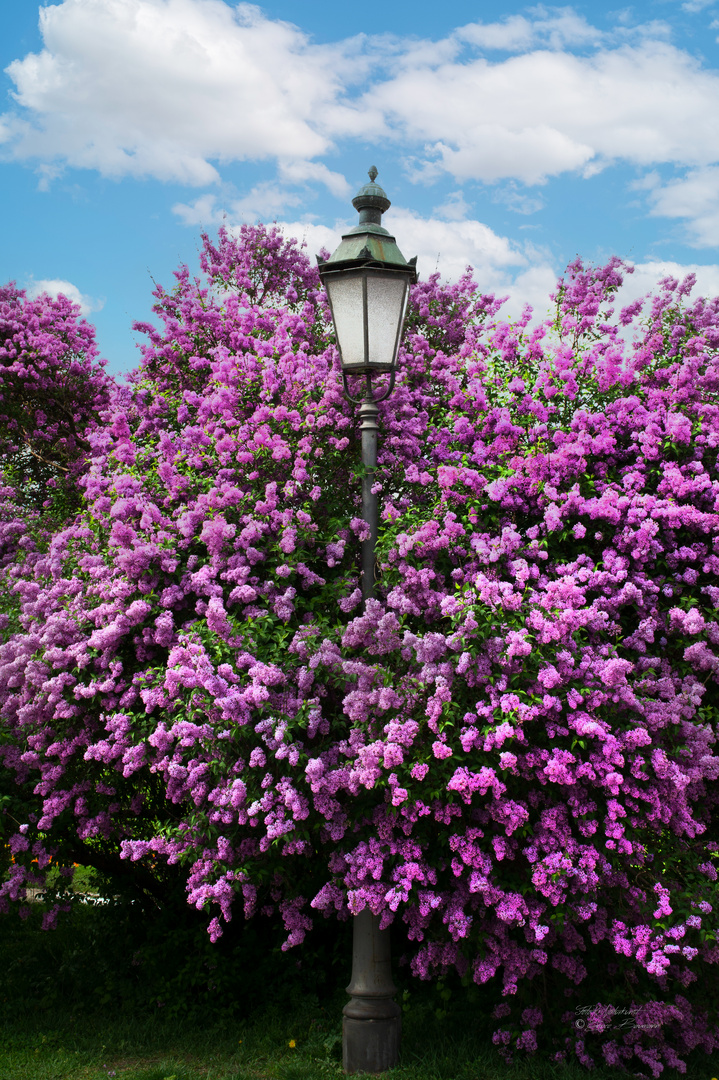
point(113, 993)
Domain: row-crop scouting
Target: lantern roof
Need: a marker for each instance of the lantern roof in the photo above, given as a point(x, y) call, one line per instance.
point(369, 242)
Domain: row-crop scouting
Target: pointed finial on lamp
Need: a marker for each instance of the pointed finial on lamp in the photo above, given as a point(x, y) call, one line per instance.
point(371, 201)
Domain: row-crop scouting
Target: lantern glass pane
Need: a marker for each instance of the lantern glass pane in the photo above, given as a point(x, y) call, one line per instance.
point(386, 299)
point(346, 298)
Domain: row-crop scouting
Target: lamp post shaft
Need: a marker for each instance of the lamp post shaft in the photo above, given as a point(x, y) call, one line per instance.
point(372, 1021)
point(369, 428)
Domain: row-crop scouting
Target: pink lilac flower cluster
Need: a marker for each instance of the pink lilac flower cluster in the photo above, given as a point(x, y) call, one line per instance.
point(53, 389)
point(511, 751)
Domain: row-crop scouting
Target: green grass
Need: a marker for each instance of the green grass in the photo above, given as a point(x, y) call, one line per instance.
point(53, 1048)
point(116, 991)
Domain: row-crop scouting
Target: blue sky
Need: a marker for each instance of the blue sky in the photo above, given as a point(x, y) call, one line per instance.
point(510, 137)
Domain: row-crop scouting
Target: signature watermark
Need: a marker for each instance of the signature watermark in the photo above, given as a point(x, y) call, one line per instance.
point(612, 1018)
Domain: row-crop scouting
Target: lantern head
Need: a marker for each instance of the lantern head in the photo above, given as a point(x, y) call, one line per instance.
point(367, 281)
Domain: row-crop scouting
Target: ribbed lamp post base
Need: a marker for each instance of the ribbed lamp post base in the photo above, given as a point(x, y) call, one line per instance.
point(372, 1022)
point(370, 1046)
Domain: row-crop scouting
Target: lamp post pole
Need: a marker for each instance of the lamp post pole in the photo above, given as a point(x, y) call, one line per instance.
point(372, 1022)
point(367, 281)
point(369, 430)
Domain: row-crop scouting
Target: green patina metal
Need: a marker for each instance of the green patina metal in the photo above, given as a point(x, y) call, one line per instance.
point(368, 242)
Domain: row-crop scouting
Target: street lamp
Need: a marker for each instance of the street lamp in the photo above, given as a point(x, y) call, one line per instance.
point(367, 281)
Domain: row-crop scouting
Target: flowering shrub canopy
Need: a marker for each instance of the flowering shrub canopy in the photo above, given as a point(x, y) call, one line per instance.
point(511, 751)
point(52, 387)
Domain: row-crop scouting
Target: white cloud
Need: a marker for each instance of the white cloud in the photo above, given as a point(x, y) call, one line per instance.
point(175, 88)
point(693, 198)
point(645, 282)
point(165, 88)
point(547, 112)
point(693, 6)
point(56, 287)
point(201, 211)
point(454, 207)
point(266, 201)
point(517, 33)
point(514, 198)
point(647, 275)
point(297, 172)
point(314, 238)
point(449, 246)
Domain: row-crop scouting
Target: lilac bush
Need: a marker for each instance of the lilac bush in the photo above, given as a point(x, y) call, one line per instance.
point(53, 388)
point(510, 753)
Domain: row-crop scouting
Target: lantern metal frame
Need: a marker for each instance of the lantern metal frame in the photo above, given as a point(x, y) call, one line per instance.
point(365, 269)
